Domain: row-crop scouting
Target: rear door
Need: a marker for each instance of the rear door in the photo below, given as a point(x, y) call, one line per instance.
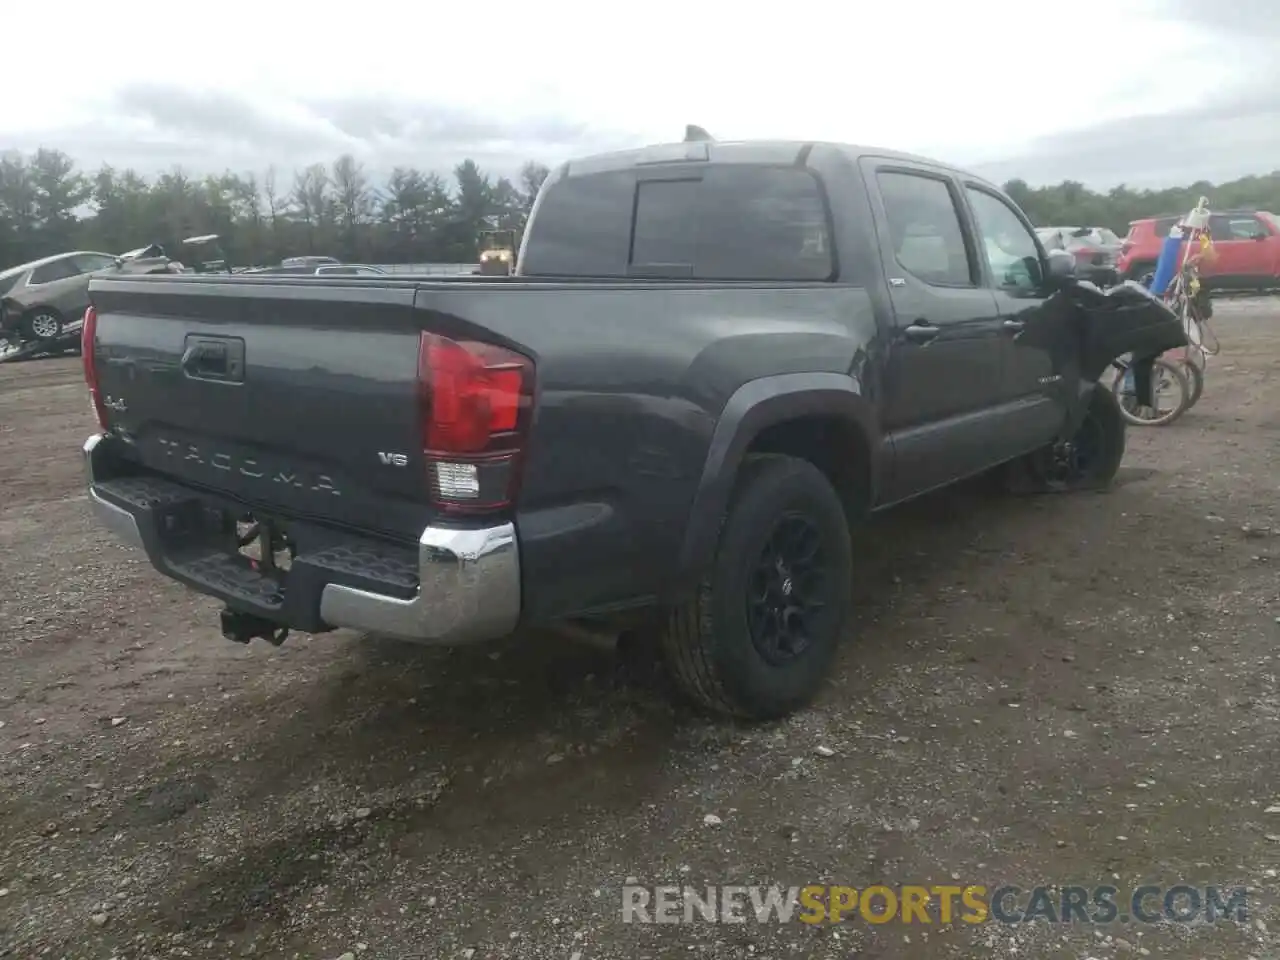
point(1037, 339)
point(942, 377)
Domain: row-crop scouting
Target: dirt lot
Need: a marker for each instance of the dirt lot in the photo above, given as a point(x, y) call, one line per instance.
point(1053, 690)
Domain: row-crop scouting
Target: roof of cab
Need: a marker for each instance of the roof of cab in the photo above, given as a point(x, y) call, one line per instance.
point(737, 151)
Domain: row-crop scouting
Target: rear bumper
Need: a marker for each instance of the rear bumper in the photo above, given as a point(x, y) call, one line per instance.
point(461, 585)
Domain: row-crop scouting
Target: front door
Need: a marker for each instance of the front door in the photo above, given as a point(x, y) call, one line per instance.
point(944, 363)
point(1242, 253)
point(1041, 343)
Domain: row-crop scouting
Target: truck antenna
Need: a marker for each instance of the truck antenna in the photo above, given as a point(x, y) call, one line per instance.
point(693, 132)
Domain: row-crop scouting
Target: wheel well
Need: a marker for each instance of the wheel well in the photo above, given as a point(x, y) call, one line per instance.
point(42, 308)
point(835, 446)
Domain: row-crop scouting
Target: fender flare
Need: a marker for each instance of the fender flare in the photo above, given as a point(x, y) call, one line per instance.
point(753, 407)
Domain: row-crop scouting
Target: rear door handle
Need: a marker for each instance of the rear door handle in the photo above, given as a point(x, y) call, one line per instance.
point(1013, 326)
point(921, 332)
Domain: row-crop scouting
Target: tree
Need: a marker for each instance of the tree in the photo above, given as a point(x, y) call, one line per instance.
point(354, 202)
point(48, 206)
point(311, 203)
point(532, 176)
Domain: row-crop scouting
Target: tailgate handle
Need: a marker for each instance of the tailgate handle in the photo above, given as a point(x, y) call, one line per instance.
point(214, 358)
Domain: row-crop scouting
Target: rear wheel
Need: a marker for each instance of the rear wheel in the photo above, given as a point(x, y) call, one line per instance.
point(758, 638)
point(42, 323)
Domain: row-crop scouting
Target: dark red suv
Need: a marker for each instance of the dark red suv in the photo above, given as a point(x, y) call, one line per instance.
point(1247, 243)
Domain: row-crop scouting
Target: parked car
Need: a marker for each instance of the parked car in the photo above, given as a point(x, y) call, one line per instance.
point(350, 270)
point(714, 360)
point(324, 270)
point(309, 262)
point(45, 300)
point(1096, 250)
point(1247, 244)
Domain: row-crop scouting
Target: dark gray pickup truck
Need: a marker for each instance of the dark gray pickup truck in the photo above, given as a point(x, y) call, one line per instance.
point(712, 361)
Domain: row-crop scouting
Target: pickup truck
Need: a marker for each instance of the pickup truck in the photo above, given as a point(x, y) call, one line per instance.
point(712, 361)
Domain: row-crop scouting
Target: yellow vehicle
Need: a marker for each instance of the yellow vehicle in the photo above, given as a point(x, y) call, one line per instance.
point(497, 252)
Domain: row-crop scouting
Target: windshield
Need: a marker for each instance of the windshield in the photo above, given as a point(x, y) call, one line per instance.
point(9, 279)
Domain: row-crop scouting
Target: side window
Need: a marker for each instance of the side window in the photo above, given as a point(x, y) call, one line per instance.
point(89, 262)
point(1236, 228)
point(1010, 248)
point(924, 227)
point(54, 270)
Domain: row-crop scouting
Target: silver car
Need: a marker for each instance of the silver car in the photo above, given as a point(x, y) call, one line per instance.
point(45, 299)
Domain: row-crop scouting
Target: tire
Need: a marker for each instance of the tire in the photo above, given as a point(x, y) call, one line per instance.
point(1089, 461)
point(782, 509)
point(42, 323)
point(1195, 382)
point(1168, 373)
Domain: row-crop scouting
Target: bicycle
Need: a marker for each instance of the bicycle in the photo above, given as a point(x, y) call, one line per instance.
point(1190, 300)
point(1167, 379)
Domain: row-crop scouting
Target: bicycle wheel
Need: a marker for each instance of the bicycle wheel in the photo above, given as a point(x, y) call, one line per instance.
point(1195, 381)
point(1171, 389)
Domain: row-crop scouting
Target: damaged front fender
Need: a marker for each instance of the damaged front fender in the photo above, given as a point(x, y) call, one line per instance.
point(1108, 324)
point(1127, 319)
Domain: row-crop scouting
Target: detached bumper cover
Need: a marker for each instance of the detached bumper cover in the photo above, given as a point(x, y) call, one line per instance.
point(460, 585)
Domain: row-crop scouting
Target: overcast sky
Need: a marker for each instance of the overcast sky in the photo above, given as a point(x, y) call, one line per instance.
point(1147, 92)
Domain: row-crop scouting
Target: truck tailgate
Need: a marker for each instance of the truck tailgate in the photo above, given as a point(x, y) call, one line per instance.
point(298, 397)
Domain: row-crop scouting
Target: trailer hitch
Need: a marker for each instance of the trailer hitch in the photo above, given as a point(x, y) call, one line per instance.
point(243, 627)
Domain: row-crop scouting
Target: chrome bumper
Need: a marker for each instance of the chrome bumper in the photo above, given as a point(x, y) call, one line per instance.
point(468, 589)
point(468, 580)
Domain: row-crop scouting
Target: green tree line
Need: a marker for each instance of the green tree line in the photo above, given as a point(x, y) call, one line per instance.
point(48, 205)
point(1072, 204)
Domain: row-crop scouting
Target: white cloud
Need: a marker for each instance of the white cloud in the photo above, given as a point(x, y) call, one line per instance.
point(249, 84)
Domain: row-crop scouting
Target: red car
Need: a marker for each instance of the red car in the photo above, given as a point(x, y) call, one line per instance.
point(1247, 243)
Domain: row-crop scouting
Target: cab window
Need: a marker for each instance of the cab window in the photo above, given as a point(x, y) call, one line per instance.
point(1007, 243)
point(924, 227)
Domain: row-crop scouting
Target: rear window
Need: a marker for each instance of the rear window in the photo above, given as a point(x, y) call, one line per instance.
point(723, 222)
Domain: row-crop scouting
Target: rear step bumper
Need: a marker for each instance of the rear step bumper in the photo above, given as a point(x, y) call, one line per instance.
point(462, 586)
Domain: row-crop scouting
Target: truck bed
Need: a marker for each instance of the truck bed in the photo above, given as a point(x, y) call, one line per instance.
point(321, 424)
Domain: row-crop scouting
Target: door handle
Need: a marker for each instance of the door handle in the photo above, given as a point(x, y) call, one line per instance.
point(202, 358)
point(1013, 326)
point(921, 332)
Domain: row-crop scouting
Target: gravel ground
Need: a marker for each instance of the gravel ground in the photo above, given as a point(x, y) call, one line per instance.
point(1051, 690)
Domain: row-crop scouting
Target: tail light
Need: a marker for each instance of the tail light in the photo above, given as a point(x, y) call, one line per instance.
point(88, 337)
point(475, 402)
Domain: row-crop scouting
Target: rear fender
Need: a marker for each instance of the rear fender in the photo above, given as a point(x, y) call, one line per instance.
point(751, 409)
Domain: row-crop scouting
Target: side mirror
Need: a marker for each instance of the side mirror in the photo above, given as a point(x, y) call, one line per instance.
point(1062, 267)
